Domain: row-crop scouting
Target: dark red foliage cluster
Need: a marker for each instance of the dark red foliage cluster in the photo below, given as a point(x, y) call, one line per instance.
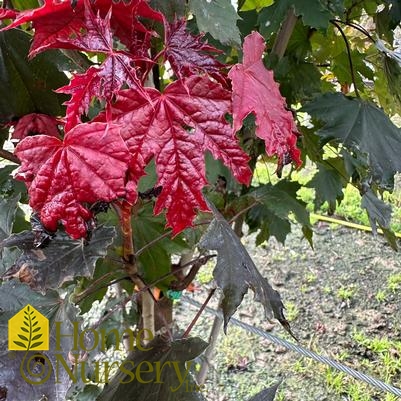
point(103, 159)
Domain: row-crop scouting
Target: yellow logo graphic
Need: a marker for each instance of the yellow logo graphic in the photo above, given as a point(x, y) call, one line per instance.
point(28, 330)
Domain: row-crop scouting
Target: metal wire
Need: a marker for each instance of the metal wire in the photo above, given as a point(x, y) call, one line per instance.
point(304, 351)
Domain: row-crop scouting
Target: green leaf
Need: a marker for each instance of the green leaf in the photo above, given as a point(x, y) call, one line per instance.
point(20, 344)
point(217, 17)
point(378, 211)
point(34, 345)
point(22, 337)
point(281, 201)
point(89, 393)
point(298, 80)
point(8, 208)
point(248, 22)
point(63, 260)
point(29, 85)
point(235, 272)
point(392, 73)
point(168, 387)
point(361, 125)
point(256, 4)
point(170, 8)
point(25, 4)
point(388, 19)
point(261, 219)
point(270, 18)
point(155, 261)
point(328, 184)
point(341, 68)
point(36, 337)
point(313, 13)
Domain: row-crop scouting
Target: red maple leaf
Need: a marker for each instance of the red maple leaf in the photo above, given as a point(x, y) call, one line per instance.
point(187, 54)
point(255, 91)
point(82, 88)
point(89, 165)
point(35, 123)
point(7, 14)
point(56, 22)
point(176, 128)
point(103, 81)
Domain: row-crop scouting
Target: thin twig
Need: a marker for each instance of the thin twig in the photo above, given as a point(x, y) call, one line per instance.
point(357, 27)
point(255, 203)
point(5, 154)
point(195, 319)
point(164, 235)
point(153, 242)
point(351, 65)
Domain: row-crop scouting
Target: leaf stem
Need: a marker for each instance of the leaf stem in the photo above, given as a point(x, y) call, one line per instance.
point(351, 65)
point(255, 203)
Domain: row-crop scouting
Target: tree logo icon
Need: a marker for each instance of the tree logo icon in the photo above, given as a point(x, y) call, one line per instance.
point(28, 330)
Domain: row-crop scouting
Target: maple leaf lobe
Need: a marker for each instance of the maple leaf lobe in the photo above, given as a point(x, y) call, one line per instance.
point(176, 129)
point(35, 123)
point(88, 166)
point(187, 54)
point(255, 91)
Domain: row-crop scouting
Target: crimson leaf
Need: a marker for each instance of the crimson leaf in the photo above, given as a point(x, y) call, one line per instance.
point(82, 88)
point(7, 14)
point(88, 166)
point(235, 272)
point(187, 54)
point(103, 81)
point(35, 123)
point(176, 128)
point(255, 91)
point(56, 23)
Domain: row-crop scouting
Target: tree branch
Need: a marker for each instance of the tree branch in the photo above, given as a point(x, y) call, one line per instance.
point(284, 34)
point(5, 154)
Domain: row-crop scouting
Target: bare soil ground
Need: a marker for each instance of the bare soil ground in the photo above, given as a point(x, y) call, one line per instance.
point(343, 301)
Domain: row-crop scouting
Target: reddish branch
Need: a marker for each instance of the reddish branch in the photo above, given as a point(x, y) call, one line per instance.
point(5, 154)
